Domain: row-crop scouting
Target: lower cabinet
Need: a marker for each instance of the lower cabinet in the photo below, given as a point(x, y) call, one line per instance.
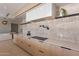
point(56, 50)
point(43, 49)
point(30, 47)
point(63, 51)
point(37, 49)
point(70, 53)
point(34, 48)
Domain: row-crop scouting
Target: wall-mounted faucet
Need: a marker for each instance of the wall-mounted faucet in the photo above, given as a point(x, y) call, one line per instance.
point(47, 28)
point(44, 27)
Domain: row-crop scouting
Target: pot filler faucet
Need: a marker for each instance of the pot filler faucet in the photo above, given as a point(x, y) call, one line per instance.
point(44, 27)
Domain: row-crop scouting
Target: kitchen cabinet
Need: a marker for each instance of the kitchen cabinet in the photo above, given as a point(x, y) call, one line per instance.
point(19, 41)
point(56, 50)
point(38, 48)
point(68, 52)
point(43, 49)
point(33, 47)
point(63, 51)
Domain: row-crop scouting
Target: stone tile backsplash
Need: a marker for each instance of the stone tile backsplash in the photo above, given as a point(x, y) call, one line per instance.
point(66, 29)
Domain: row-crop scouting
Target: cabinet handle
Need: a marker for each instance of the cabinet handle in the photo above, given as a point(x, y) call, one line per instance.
point(29, 45)
point(66, 48)
point(41, 51)
point(21, 41)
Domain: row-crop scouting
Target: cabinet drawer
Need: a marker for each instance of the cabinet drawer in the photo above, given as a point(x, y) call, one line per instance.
point(56, 50)
point(28, 47)
point(44, 52)
point(43, 49)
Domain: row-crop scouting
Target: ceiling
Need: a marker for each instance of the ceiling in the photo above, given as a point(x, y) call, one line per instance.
point(10, 8)
point(13, 8)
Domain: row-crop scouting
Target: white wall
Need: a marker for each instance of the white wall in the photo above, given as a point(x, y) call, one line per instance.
point(5, 36)
point(5, 31)
point(5, 28)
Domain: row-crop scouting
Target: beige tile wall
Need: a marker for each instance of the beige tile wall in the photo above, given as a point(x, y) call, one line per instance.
point(71, 8)
point(63, 29)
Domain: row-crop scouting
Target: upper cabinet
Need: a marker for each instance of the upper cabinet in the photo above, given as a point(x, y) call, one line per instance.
point(41, 11)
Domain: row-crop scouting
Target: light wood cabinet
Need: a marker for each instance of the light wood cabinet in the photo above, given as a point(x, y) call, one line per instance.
point(63, 51)
point(30, 47)
point(37, 48)
point(70, 52)
point(44, 49)
point(56, 50)
point(33, 47)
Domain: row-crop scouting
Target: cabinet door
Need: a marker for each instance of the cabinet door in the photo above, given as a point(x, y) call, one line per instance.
point(39, 49)
point(56, 50)
point(30, 46)
point(53, 50)
point(33, 49)
point(44, 49)
point(70, 52)
point(16, 40)
point(20, 42)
